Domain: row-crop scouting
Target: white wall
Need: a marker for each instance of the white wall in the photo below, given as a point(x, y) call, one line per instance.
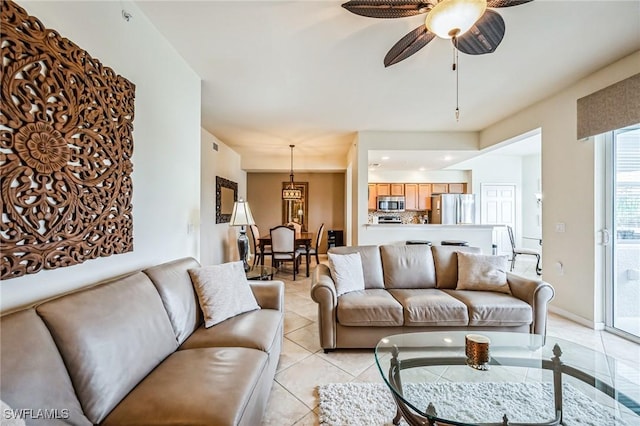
point(166, 176)
point(569, 181)
point(218, 241)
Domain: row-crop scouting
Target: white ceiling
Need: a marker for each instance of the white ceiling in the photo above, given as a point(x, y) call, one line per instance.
point(311, 73)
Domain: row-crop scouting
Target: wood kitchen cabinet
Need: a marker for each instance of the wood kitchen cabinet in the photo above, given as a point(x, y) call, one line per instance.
point(439, 188)
point(383, 189)
point(457, 188)
point(411, 196)
point(397, 189)
point(373, 194)
point(424, 196)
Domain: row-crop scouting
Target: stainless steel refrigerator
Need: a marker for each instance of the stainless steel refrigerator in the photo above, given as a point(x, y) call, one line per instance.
point(452, 209)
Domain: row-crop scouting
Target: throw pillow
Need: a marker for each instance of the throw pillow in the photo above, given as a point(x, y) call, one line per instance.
point(482, 272)
point(223, 292)
point(346, 271)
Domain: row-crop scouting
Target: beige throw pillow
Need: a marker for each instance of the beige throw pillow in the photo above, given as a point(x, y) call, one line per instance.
point(482, 272)
point(346, 271)
point(223, 292)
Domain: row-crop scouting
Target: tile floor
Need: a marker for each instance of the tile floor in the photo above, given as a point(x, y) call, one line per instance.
point(303, 365)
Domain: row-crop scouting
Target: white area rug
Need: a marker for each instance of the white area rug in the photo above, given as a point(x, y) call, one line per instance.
point(370, 404)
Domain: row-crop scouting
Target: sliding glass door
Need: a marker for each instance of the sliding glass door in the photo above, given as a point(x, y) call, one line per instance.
point(623, 266)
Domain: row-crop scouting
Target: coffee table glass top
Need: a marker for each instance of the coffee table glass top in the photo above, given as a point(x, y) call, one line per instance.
point(260, 272)
point(427, 365)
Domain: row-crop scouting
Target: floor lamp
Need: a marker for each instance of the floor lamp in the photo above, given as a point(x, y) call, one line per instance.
point(242, 217)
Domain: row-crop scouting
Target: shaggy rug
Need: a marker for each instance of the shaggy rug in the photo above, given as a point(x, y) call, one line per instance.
point(370, 404)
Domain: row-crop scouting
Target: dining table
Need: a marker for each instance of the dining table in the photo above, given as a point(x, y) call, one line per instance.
point(302, 239)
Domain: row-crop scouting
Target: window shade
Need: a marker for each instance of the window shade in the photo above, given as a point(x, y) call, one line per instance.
point(611, 108)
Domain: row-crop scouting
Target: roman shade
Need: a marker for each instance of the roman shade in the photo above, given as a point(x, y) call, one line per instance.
point(611, 108)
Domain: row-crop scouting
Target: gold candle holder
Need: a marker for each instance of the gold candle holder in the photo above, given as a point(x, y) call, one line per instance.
point(477, 351)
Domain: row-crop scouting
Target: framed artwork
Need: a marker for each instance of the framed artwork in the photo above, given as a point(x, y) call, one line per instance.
point(296, 210)
point(226, 196)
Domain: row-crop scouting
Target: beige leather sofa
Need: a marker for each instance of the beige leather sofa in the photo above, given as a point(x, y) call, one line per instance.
point(134, 351)
point(412, 288)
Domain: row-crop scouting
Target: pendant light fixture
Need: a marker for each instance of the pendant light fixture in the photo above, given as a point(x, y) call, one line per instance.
point(290, 192)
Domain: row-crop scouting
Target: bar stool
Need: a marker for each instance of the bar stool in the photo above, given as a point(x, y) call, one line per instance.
point(418, 242)
point(454, 243)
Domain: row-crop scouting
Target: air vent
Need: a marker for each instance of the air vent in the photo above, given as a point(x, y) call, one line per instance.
point(215, 146)
point(374, 165)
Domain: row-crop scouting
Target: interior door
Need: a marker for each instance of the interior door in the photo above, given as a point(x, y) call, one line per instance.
point(498, 207)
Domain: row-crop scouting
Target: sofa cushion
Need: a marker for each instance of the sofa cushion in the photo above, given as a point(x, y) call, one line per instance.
point(32, 373)
point(346, 272)
point(371, 263)
point(408, 266)
point(373, 308)
point(110, 337)
point(445, 259)
point(482, 272)
point(178, 296)
point(488, 308)
point(431, 307)
point(256, 330)
point(207, 386)
point(223, 291)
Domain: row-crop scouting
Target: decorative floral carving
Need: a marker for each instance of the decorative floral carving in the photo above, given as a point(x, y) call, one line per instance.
point(66, 143)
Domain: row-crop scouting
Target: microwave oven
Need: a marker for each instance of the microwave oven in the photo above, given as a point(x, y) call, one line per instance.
point(390, 204)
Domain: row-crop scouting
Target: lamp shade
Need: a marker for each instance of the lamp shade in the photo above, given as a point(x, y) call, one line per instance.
point(241, 214)
point(452, 18)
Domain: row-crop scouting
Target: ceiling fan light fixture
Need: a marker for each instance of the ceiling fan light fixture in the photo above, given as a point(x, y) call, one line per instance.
point(452, 18)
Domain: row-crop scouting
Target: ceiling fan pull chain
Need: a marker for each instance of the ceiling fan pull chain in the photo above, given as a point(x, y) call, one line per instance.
point(456, 68)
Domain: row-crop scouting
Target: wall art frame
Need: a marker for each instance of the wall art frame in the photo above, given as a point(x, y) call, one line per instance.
point(66, 143)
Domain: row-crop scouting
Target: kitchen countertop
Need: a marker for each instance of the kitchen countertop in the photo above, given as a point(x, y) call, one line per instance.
point(430, 225)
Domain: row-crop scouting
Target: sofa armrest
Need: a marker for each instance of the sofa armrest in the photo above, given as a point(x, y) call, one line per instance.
point(537, 294)
point(269, 294)
point(323, 292)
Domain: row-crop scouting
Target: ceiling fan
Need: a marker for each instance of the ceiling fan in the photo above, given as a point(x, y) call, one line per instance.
point(472, 27)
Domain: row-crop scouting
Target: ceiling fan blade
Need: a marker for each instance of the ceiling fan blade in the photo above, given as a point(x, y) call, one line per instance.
point(506, 3)
point(484, 37)
point(387, 8)
point(408, 45)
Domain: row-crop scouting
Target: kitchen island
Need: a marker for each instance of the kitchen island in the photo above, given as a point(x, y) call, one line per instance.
point(477, 235)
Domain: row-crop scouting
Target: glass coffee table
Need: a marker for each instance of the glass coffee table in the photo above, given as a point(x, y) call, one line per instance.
point(527, 381)
point(260, 272)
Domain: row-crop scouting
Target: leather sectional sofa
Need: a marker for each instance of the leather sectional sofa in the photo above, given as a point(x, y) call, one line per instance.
point(133, 351)
point(413, 288)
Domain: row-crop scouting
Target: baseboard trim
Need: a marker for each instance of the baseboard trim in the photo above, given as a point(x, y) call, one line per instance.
point(576, 318)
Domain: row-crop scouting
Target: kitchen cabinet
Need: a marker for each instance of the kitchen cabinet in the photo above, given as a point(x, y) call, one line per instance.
point(439, 188)
point(383, 189)
point(397, 189)
point(373, 193)
point(424, 196)
point(411, 196)
point(457, 188)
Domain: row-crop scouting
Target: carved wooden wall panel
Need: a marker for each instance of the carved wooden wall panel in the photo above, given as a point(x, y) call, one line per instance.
point(66, 143)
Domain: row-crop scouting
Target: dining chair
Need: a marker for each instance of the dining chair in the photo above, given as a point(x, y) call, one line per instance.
point(516, 251)
point(255, 236)
point(297, 227)
point(315, 249)
point(283, 247)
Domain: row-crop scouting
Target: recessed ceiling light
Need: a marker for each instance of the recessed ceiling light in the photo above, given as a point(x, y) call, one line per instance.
point(385, 158)
point(422, 169)
point(448, 158)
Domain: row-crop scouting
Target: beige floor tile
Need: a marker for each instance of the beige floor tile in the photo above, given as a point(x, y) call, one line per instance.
point(293, 321)
point(302, 378)
point(311, 419)
point(308, 337)
point(370, 375)
point(353, 361)
point(621, 349)
point(291, 353)
point(283, 408)
point(308, 310)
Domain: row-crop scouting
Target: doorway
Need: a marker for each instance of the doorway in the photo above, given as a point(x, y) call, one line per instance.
point(623, 240)
point(498, 207)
